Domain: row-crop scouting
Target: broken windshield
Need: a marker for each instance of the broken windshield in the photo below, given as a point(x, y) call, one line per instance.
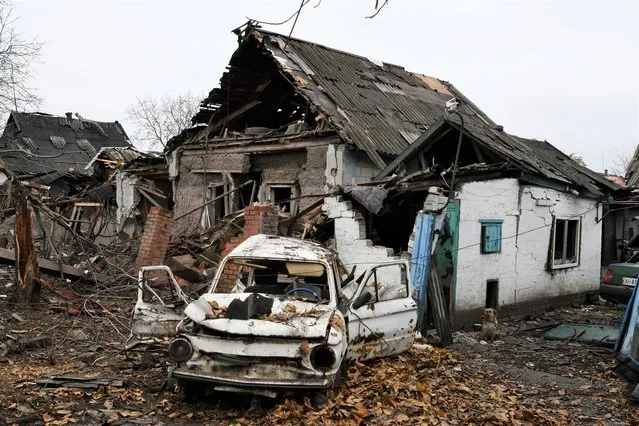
point(281, 279)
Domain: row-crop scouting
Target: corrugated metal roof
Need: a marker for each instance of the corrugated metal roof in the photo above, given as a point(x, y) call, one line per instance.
point(370, 103)
point(377, 102)
point(381, 107)
point(55, 143)
point(123, 155)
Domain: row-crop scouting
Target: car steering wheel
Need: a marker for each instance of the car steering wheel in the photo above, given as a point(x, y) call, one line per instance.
point(308, 290)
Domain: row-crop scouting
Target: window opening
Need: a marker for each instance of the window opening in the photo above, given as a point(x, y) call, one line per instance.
point(566, 243)
point(281, 196)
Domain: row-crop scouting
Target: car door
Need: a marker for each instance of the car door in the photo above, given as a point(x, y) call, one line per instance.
point(159, 307)
point(385, 324)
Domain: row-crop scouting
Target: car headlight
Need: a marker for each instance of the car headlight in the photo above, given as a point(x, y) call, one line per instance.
point(180, 349)
point(323, 358)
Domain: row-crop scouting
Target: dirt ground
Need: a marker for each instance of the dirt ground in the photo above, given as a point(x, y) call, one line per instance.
point(522, 379)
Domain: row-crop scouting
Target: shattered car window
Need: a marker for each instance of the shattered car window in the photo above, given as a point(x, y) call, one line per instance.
point(283, 279)
point(158, 288)
point(387, 283)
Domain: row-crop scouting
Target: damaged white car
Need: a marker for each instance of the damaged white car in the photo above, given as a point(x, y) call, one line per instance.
point(292, 320)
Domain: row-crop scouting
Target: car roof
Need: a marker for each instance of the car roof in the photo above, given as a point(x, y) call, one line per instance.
point(282, 248)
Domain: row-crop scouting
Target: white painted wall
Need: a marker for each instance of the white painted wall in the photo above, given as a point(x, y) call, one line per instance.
point(521, 265)
point(351, 243)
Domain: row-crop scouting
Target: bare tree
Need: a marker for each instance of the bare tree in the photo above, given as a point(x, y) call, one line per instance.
point(17, 55)
point(578, 159)
point(620, 162)
point(159, 119)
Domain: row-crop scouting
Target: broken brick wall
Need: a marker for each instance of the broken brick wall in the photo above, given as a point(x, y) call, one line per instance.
point(258, 219)
point(303, 168)
point(156, 237)
point(196, 171)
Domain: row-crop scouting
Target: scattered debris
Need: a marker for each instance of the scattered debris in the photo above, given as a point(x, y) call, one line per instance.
point(594, 334)
point(78, 334)
point(79, 382)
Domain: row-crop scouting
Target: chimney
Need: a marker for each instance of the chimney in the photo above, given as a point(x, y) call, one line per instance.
point(498, 127)
point(69, 115)
point(605, 172)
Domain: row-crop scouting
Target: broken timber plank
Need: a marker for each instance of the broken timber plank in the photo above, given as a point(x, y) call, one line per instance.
point(437, 303)
point(79, 382)
point(8, 257)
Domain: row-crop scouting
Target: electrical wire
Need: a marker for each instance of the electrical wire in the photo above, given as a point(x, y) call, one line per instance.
point(304, 2)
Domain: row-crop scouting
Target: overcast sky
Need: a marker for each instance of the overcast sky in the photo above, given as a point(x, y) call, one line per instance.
point(565, 71)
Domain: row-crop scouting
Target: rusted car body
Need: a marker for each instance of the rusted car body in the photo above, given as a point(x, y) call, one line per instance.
point(292, 322)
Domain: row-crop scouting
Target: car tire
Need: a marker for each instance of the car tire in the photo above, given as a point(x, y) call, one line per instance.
point(192, 391)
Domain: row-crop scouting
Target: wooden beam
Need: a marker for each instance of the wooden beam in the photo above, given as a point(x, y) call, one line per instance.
point(151, 191)
point(480, 157)
point(253, 148)
point(24, 255)
point(419, 145)
point(8, 257)
point(148, 197)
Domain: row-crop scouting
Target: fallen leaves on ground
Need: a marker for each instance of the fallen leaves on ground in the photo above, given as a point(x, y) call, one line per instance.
point(427, 386)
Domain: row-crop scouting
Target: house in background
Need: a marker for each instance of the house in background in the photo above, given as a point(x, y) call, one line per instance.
point(141, 181)
point(621, 217)
point(304, 121)
point(51, 153)
point(53, 150)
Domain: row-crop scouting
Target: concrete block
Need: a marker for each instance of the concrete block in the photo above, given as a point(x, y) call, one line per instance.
point(363, 243)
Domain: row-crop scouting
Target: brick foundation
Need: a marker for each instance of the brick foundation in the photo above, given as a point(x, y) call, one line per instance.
point(156, 237)
point(258, 219)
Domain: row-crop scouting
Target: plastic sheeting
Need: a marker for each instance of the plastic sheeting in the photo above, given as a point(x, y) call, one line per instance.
point(371, 197)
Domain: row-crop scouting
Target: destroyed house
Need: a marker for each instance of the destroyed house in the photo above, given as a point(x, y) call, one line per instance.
point(53, 150)
point(297, 118)
point(522, 229)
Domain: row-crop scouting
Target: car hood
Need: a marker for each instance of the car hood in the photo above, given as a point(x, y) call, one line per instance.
point(288, 319)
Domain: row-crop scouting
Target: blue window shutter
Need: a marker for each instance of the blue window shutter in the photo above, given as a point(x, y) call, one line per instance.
point(491, 236)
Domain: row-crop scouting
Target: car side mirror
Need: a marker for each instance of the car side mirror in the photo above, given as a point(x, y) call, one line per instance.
point(362, 300)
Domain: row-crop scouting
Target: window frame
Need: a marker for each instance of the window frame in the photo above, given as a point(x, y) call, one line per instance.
point(577, 243)
point(293, 203)
point(373, 277)
point(223, 206)
point(484, 225)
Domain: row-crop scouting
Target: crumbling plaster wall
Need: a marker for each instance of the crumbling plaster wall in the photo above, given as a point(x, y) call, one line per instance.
point(348, 166)
point(126, 196)
point(525, 283)
point(305, 168)
point(189, 187)
point(351, 242)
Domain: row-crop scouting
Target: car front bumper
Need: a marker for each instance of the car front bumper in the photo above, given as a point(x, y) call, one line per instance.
point(243, 381)
point(616, 293)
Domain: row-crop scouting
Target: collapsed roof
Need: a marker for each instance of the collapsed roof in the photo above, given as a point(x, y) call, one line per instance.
point(485, 144)
point(274, 81)
point(37, 143)
point(379, 107)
